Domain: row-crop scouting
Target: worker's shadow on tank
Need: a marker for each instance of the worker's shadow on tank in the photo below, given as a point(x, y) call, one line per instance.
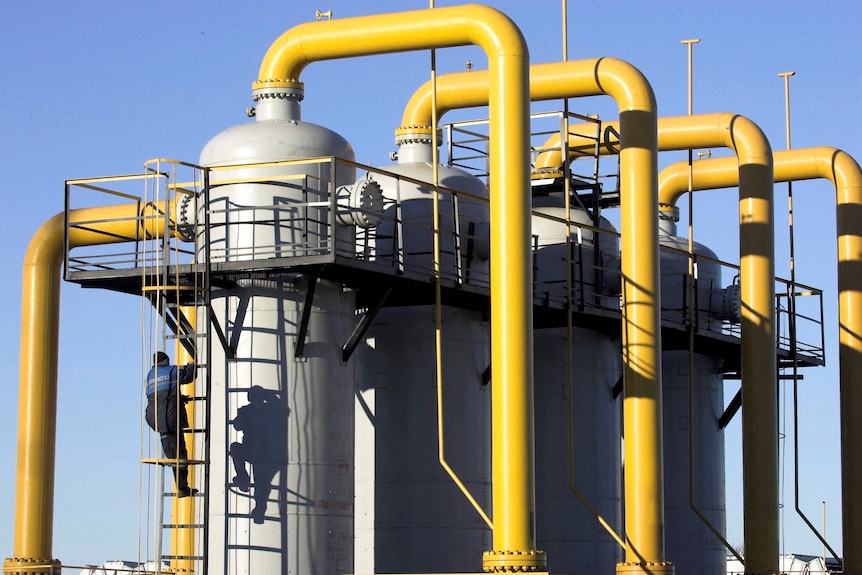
point(263, 449)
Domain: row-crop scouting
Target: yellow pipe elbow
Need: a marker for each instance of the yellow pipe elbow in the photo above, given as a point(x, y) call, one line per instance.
point(641, 333)
point(388, 33)
point(511, 302)
point(757, 270)
point(570, 79)
point(846, 176)
point(37, 404)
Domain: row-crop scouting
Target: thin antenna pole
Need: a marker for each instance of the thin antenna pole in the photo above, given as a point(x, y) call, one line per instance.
point(786, 76)
point(565, 30)
point(690, 43)
point(791, 296)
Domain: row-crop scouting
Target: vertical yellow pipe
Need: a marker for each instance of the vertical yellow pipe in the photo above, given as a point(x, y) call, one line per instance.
point(845, 174)
point(37, 402)
point(639, 245)
point(183, 508)
point(511, 303)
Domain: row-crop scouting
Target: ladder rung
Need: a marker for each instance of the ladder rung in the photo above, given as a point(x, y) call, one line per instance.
point(189, 557)
point(171, 462)
point(183, 525)
point(195, 430)
point(171, 288)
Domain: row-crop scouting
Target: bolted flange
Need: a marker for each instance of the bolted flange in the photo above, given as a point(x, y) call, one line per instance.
point(646, 568)
point(531, 560)
point(31, 566)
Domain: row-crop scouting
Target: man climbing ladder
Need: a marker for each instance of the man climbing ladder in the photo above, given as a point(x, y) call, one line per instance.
point(166, 415)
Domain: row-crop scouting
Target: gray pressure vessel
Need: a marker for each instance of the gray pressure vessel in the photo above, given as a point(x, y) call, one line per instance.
point(411, 517)
point(581, 450)
point(689, 543)
point(281, 485)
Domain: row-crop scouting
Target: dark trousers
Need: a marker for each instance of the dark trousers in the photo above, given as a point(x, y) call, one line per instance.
point(174, 447)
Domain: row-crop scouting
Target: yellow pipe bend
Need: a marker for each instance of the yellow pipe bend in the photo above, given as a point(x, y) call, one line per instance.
point(389, 33)
point(511, 301)
point(37, 403)
point(570, 79)
point(641, 333)
point(757, 270)
point(845, 174)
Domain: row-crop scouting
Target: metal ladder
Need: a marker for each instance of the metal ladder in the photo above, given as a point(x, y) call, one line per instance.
point(185, 524)
point(179, 288)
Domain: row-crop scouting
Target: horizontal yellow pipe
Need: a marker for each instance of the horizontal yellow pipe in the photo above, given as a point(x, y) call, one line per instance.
point(511, 305)
point(548, 81)
point(641, 336)
point(845, 174)
point(37, 403)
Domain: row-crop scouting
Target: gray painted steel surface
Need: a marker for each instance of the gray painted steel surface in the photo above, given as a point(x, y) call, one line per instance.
point(571, 536)
point(295, 515)
point(411, 515)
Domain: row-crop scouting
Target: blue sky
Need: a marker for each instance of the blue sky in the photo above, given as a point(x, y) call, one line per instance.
point(97, 88)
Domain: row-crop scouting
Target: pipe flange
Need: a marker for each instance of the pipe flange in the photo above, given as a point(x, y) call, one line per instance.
point(417, 135)
point(668, 212)
point(360, 204)
point(31, 566)
point(291, 83)
point(278, 93)
point(506, 561)
point(656, 567)
point(185, 223)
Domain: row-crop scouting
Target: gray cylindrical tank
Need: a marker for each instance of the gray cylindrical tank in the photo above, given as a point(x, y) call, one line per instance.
point(411, 517)
point(410, 227)
point(571, 536)
point(674, 282)
point(281, 435)
point(689, 543)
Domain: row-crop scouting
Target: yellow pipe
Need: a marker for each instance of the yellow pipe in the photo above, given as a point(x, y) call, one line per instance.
point(183, 508)
point(511, 306)
point(37, 404)
point(641, 312)
point(757, 270)
point(845, 174)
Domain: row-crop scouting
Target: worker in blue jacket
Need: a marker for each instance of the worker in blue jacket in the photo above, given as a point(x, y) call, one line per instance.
point(166, 415)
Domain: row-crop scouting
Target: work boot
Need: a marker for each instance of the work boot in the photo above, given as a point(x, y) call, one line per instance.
point(186, 491)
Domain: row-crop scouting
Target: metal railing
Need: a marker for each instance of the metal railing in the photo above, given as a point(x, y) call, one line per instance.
point(300, 226)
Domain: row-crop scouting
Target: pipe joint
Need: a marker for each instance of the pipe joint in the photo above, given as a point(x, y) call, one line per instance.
point(290, 84)
point(278, 102)
point(360, 204)
point(283, 91)
point(731, 304)
point(417, 135)
point(654, 568)
point(31, 566)
point(185, 218)
point(668, 212)
point(514, 561)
